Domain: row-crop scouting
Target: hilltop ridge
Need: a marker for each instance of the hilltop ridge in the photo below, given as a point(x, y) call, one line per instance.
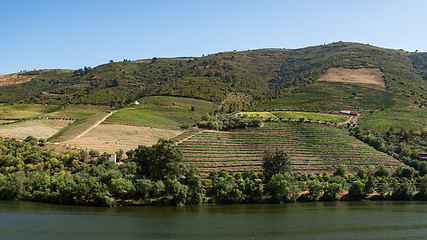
point(259, 75)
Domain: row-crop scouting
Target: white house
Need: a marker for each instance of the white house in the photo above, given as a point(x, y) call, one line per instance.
point(345, 112)
point(112, 157)
point(136, 103)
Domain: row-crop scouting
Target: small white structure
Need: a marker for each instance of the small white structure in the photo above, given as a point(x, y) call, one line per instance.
point(112, 157)
point(346, 112)
point(136, 103)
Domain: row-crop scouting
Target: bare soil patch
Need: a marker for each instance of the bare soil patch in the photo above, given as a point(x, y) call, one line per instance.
point(36, 128)
point(111, 137)
point(13, 79)
point(372, 76)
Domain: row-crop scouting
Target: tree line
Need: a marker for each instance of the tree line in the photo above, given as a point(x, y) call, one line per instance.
point(156, 175)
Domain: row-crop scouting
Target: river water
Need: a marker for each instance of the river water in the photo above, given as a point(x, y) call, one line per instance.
point(316, 220)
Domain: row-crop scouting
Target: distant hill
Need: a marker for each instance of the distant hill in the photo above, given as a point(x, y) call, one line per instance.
point(257, 75)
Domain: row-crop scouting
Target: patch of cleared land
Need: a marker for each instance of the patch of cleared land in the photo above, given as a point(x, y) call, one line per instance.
point(112, 137)
point(372, 76)
point(77, 127)
point(43, 128)
point(13, 79)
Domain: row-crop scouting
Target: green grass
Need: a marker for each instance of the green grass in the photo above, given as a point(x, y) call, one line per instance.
point(26, 110)
point(311, 115)
point(402, 116)
point(78, 111)
point(162, 112)
point(329, 96)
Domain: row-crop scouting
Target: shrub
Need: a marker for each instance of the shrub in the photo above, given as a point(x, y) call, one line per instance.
point(382, 171)
point(331, 191)
point(342, 170)
point(362, 172)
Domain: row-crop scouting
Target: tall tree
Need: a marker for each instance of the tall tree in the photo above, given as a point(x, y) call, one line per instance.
point(275, 162)
point(160, 161)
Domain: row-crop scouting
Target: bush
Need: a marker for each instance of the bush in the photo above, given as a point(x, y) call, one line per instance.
point(362, 172)
point(408, 172)
point(331, 191)
point(356, 190)
point(382, 171)
point(275, 162)
point(342, 170)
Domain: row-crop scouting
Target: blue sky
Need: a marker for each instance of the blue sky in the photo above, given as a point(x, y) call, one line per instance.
point(72, 34)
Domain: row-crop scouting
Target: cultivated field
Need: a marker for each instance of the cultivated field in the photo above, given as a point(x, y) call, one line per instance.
point(76, 128)
point(313, 148)
point(110, 138)
point(333, 96)
point(162, 112)
point(372, 76)
point(333, 118)
point(43, 128)
point(26, 110)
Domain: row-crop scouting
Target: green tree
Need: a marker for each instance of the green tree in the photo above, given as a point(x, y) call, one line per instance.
point(331, 191)
point(119, 155)
point(422, 168)
point(408, 172)
point(315, 189)
point(275, 162)
point(382, 171)
point(370, 185)
point(362, 172)
point(403, 191)
point(160, 161)
point(356, 190)
point(341, 170)
point(283, 188)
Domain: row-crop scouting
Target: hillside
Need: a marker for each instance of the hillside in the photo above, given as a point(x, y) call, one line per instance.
point(257, 75)
point(384, 89)
point(313, 148)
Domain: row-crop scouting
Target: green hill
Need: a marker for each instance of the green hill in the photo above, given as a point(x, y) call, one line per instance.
point(384, 89)
point(258, 75)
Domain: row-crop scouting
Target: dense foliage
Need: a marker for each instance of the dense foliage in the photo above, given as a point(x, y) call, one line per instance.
point(30, 172)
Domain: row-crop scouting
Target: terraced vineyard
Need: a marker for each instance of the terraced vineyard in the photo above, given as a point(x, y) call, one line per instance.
point(313, 148)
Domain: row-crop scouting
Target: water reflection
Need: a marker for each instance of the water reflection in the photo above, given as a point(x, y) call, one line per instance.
point(318, 220)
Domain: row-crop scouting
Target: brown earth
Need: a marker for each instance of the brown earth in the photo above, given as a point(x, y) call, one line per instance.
point(111, 137)
point(13, 79)
point(36, 128)
point(372, 76)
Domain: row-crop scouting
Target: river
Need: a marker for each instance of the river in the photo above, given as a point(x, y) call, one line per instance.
point(315, 220)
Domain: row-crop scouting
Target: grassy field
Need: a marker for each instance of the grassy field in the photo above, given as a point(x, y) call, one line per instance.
point(78, 111)
point(42, 128)
point(162, 112)
point(311, 115)
point(313, 148)
point(36, 110)
point(331, 96)
point(26, 110)
point(402, 116)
